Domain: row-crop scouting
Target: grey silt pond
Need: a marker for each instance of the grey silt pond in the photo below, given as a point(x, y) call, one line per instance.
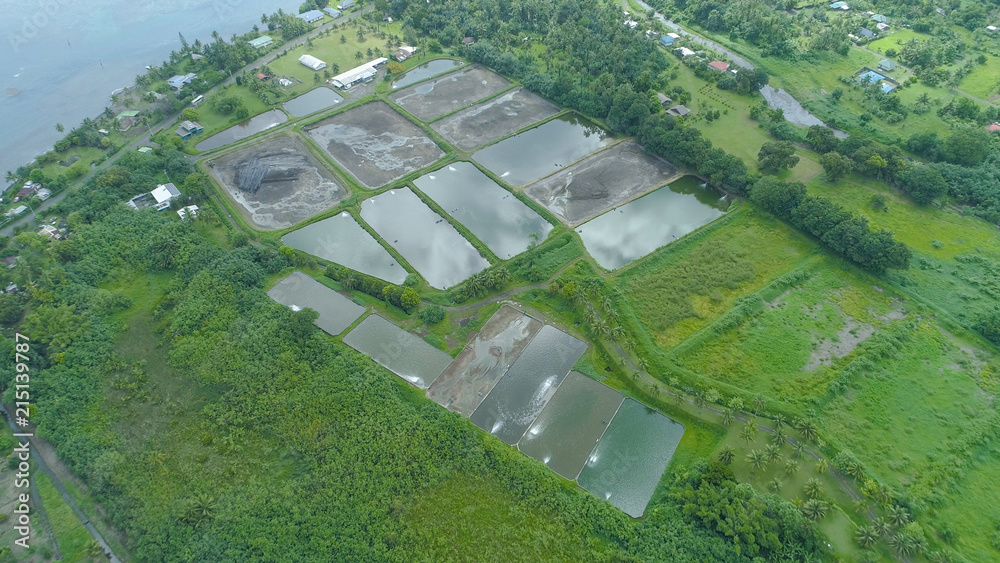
point(403, 353)
point(528, 385)
point(244, 129)
point(427, 241)
point(467, 381)
point(425, 71)
point(312, 101)
point(434, 98)
point(300, 291)
point(568, 428)
point(642, 225)
point(545, 149)
point(493, 119)
point(342, 240)
point(627, 464)
point(505, 224)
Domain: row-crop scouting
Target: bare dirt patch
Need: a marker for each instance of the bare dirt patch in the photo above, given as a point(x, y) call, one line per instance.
point(434, 98)
point(375, 143)
point(295, 186)
point(484, 123)
point(847, 340)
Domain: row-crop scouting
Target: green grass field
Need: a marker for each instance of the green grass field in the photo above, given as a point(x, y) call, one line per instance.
point(72, 536)
point(984, 80)
point(338, 56)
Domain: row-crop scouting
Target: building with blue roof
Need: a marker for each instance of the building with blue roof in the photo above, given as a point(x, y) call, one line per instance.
point(311, 16)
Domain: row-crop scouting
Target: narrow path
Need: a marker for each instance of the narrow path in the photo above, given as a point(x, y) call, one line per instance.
point(44, 467)
point(509, 293)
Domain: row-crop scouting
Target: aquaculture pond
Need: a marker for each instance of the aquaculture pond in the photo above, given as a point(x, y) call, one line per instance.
point(629, 461)
point(641, 226)
point(245, 129)
point(467, 381)
point(403, 353)
point(425, 71)
point(528, 385)
point(312, 101)
point(342, 240)
point(300, 291)
point(545, 149)
point(568, 428)
point(428, 242)
point(505, 224)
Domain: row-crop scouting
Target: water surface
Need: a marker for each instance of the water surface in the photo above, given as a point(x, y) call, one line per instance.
point(403, 353)
point(642, 225)
point(245, 129)
point(312, 101)
point(342, 240)
point(628, 462)
point(425, 71)
point(505, 224)
point(428, 242)
point(538, 152)
point(300, 291)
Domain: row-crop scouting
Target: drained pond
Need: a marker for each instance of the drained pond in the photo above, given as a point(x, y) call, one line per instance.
point(566, 431)
point(528, 385)
point(505, 224)
point(628, 462)
point(342, 240)
point(312, 101)
point(427, 241)
point(538, 152)
point(403, 353)
point(245, 129)
point(639, 227)
point(425, 71)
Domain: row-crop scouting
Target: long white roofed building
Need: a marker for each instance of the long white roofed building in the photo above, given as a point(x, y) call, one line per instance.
point(362, 73)
point(312, 62)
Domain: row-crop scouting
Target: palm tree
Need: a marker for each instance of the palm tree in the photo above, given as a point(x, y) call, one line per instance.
point(898, 516)
point(727, 417)
point(822, 466)
point(775, 485)
point(806, 428)
point(726, 455)
point(866, 536)
point(94, 551)
point(756, 460)
point(779, 419)
point(814, 509)
point(772, 451)
point(901, 544)
point(60, 128)
point(812, 488)
point(778, 437)
point(758, 403)
point(747, 433)
point(798, 449)
point(699, 399)
point(855, 470)
point(359, 55)
point(200, 509)
point(882, 527)
point(588, 315)
point(791, 466)
point(617, 332)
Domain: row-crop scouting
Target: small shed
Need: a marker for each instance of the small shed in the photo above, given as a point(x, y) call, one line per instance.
point(679, 111)
point(667, 41)
point(664, 100)
point(866, 33)
point(719, 66)
point(886, 65)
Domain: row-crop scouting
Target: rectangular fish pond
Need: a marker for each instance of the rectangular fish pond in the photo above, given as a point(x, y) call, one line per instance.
point(656, 219)
point(300, 291)
point(427, 241)
point(566, 431)
point(403, 353)
point(244, 129)
point(538, 152)
point(528, 385)
point(425, 71)
point(627, 464)
point(467, 381)
point(505, 224)
point(312, 101)
point(447, 93)
point(342, 240)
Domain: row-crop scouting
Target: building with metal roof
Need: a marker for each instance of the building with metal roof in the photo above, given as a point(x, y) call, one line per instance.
point(311, 16)
point(333, 12)
point(312, 62)
point(179, 81)
point(363, 73)
point(261, 42)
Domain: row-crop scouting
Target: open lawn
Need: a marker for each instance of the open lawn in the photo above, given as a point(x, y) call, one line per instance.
point(214, 121)
point(72, 536)
point(984, 80)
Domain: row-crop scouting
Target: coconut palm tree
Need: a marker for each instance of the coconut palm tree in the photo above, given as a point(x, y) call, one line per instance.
point(775, 485)
point(726, 455)
point(882, 527)
point(812, 488)
point(779, 419)
point(806, 428)
point(617, 332)
point(200, 509)
point(94, 551)
point(814, 509)
point(866, 536)
point(798, 448)
point(727, 417)
point(791, 466)
point(747, 433)
point(778, 436)
point(901, 544)
point(822, 466)
point(897, 516)
point(772, 451)
point(758, 403)
point(756, 460)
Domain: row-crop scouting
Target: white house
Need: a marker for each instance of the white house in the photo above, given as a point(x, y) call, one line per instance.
point(363, 73)
point(312, 62)
point(189, 211)
point(163, 194)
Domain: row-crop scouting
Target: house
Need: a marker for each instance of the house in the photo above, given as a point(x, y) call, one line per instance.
point(886, 65)
point(683, 52)
point(994, 128)
point(127, 119)
point(44, 194)
point(262, 76)
point(363, 73)
point(49, 231)
point(866, 33)
point(163, 194)
point(311, 16)
point(881, 26)
point(17, 210)
point(679, 111)
point(631, 24)
point(189, 128)
point(664, 100)
point(189, 211)
point(887, 87)
point(651, 33)
point(285, 82)
point(992, 28)
point(404, 53)
point(879, 18)
point(28, 190)
point(146, 150)
point(312, 62)
point(345, 4)
point(333, 13)
point(468, 41)
point(719, 66)
point(261, 42)
point(840, 6)
point(667, 41)
point(178, 81)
